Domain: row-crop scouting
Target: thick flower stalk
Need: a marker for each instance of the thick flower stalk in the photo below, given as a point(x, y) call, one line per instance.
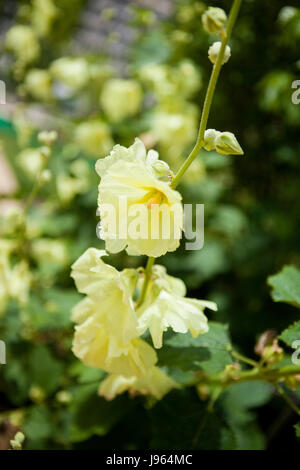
point(137, 198)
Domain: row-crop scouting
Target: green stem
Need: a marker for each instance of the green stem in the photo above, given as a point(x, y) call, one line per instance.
point(285, 396)
point(210, 92)
point(203, 122)
point(243, 358)
point(30, 199)
point(257, 373)
point(148, 271)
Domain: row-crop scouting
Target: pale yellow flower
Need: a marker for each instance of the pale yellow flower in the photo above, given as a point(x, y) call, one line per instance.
point(43, 15)
point(121, 98)
point(47, 250)
point(138, 208)
point(31, 161)
point(14, 282)
point(72, 71)
point(109, 303)
point(155, 382)
point(38, 83)
point(166, 306)
point(167, 81)
point(22, 41)
point(94, 137)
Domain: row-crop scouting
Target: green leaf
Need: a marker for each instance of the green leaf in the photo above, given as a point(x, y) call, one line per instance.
point(182, 421)
point(44, 369)
point(291, 334)
point(236, 402)
point(38, 424)
point(89, 414)
point(286, 286)
point(248, 395)
point(297, 427)
point(208, 352)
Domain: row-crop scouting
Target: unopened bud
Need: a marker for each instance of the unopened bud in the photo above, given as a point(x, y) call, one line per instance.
point(265, 339)
point(17, 441)
point(46, 176)
point(45, 151)
point(214, 20)
point(203, 391)
point(227, 144)
point(293, 382)
point(37, 394)
point(47, 137)
point(231, 371)
point(273, 354)
point(214, 50)
point(210, 136)
point(63, 396)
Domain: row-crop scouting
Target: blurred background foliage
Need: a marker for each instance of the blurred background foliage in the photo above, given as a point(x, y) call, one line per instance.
point(252, 213)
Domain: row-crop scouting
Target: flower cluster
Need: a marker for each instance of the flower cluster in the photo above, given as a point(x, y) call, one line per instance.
point(110, 323)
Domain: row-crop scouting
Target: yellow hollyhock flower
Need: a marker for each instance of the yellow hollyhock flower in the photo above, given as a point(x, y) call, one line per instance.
point(106, 334)
point(94, 137)
point(155, 382)
point(72, 71)
point(100, 341)
point(109, 304)
point(22, 41)
point(138, 208)
point(39, 84)
point(14, 282)
point(121, 98)
point(166, 306)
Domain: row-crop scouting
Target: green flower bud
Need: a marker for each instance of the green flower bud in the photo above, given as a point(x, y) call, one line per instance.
point(227, 144)
point(63, 397)
point(46, 176)
point(214, 50)
point(273, 353)
point(47, 137)
point(210, 136)
point(36, 394)
point(17, 441)
point(214, 20)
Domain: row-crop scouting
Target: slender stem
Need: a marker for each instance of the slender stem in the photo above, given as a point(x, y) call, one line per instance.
point(269, 375)
point(243, 358)
point(148, 271)
point(285, 396)
point(203, 122)
point(210, 92)
point(30, 199)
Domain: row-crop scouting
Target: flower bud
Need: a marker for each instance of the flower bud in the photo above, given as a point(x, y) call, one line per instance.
point(293, 382)
point(227, 144)
point(210, 136)
point(36, 394)
point(214, 20)
point(63, 397)
point(46, 176)
point(214, 50)
point(17, 441)
point(273, 354)
point(47, 137)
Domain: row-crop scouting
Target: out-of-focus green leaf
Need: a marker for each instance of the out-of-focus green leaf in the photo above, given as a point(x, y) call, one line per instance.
point(89, 414)
point(291, 334)
point(286, 286)
point(44, 370)
point(38, 426)
point(182, 421)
